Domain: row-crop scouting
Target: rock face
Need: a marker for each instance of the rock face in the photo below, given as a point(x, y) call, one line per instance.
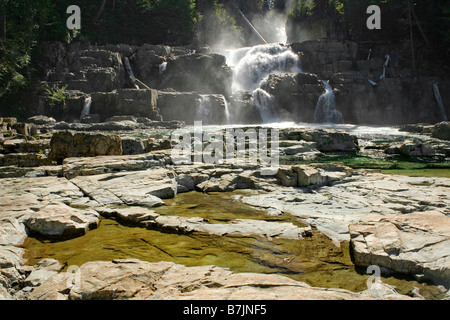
point(199, 72)
point(139, 103)
point(416, 243)
point(397, 99)
point(191, 106)
point(138, 280)
point(68, 144)
point(295, 95)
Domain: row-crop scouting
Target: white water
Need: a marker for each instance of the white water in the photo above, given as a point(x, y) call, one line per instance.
point(227, 111)
point(87, 108)
point(162, 68)
point(204, 110)
point(264, 102)
point(253, 65)
point(326, 111)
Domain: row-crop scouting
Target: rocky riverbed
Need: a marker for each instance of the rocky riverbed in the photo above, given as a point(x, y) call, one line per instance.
point(63, 185)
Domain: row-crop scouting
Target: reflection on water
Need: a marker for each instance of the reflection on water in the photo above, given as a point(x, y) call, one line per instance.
point(316, 260)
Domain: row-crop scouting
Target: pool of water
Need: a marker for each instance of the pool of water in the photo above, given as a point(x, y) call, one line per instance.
point(316, 260)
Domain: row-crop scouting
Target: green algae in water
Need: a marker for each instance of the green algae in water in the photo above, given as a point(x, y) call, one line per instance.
point(398, 165)
point(316, 260)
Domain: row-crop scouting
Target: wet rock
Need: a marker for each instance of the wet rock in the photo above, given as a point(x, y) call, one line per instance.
point(68, 144)
point(415, 244)
point(134, 279)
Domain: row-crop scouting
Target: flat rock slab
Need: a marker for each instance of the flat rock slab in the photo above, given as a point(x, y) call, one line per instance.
point(47, 206)
point(417, 244)
point(133, 279)
point(74, 167)
point(140, 188)
point(240, 227)
point(333, 208)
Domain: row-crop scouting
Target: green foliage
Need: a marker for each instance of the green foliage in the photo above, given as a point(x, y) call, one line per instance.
point(301, 9)
point(56, 95)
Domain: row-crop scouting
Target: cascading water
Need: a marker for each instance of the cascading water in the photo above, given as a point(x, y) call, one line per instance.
point(252, 65)
point(227, 111)
point(264, 102)
point(162, 68)
point(204, 111)
point(326, 111)
point(87, 108)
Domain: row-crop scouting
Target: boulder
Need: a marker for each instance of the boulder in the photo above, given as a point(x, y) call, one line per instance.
point(441, 131)
point(59, 221)
point(132, 145)
point(411, 148)
point(308, 176)
point(68, 144)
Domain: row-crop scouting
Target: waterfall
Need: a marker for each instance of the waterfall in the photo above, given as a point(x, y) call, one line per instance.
point(438, 97)
point(251, 65)
point(87, 108)
point(204, 112)
point(162, 68)
point(227, 110)
point(326, 111)
point(264, 102)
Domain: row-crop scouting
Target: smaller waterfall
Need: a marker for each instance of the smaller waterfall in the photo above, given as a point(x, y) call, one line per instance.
point(87, 108)
point(326, 111)
point(204, 112)
point(162, 68)
point(264, 102)
point(386, 63)
point(227, 111)
point(438, 97)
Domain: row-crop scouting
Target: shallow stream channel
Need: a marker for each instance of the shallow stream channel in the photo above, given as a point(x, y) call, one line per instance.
point(314, 260)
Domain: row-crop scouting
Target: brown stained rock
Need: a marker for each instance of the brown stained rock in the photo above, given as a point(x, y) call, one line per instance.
point(68, 144)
